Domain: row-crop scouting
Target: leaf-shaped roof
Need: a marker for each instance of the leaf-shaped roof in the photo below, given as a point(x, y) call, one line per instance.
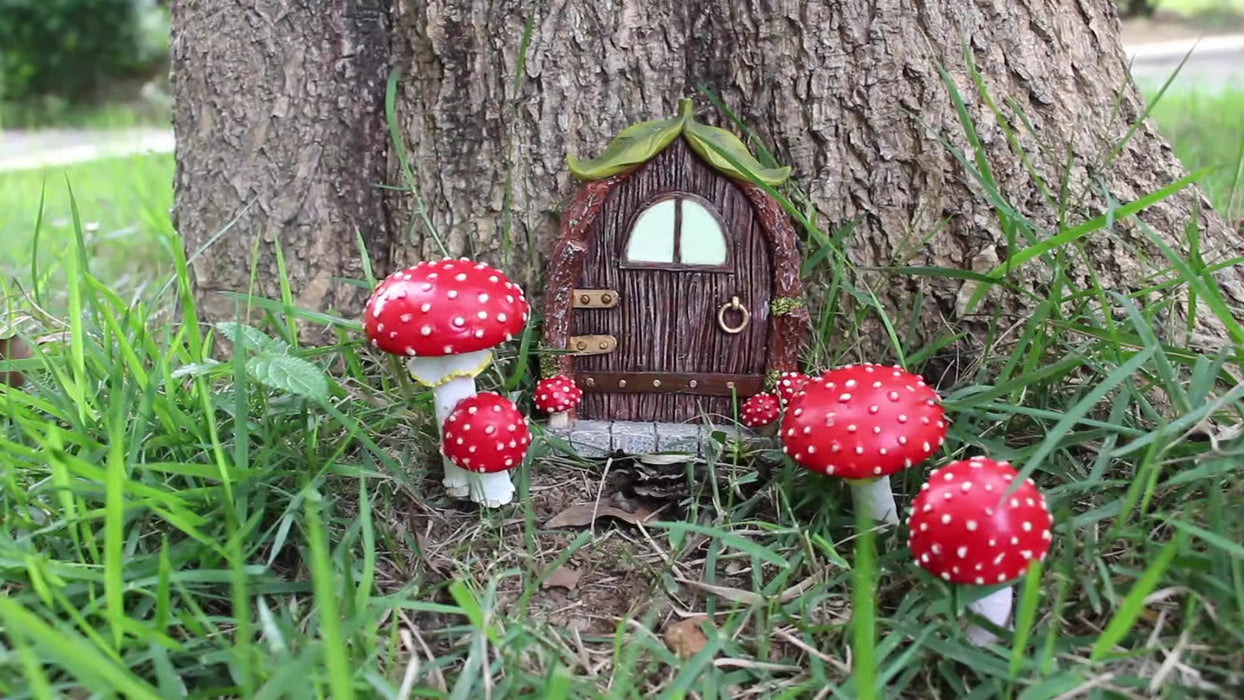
point(639, 143)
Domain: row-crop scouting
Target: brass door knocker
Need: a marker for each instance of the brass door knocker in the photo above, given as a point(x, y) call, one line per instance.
point(733, 305)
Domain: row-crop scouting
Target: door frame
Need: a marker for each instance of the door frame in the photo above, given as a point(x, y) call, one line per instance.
point(789, 319)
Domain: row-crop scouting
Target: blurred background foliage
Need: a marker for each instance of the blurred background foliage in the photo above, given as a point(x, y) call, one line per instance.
point(56, 55)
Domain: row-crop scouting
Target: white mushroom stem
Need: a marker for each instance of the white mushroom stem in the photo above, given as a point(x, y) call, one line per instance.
point(445, 397)
point(995, 607)
point(875, 498)
point(559, 421)
point(452, 378)
point(491, 490)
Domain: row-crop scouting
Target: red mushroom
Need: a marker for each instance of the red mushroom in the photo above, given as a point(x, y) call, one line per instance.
point(863, 423)
point(760, 410)
point(556, 396)
point(969, 525)
point(789, 384)
point(445, 316)
point(486, 434)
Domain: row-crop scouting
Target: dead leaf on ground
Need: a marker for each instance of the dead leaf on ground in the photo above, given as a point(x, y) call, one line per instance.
point(584, 514)
point(13, 349)
point(685, 637)
point(562, 577)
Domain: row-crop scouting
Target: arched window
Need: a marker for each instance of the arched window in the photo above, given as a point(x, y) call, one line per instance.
point(677, 231)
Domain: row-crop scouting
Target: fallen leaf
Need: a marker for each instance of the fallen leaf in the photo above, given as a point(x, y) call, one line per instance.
point(13, 349)
point(562, 577)
point(685, 637)
point(584, 514)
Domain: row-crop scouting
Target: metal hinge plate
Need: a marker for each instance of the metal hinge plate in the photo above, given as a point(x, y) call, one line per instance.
point(591, 344)
point(594, 298)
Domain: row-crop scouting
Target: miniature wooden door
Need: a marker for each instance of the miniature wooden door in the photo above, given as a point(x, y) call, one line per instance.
point(685, 254)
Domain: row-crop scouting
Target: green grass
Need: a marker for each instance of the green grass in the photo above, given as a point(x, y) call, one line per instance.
point(125, 206)
point(269, 526)
point(127, 109)
point(1201, 7)
point(1208, 131)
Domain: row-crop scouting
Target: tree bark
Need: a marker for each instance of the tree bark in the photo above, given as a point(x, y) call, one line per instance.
point(848, 93)
point(280, 141)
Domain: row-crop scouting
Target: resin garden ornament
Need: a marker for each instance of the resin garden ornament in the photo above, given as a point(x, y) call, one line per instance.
point(673, 291)
point(557, 396)
point(486, 435)
point(863, 423)
point(445, 317)
point(971, 524)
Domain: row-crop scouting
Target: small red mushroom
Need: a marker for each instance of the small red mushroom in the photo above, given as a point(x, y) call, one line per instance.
point(760, 410)
point(445, 316)
point(863, 423)
point(487, 434)
point(789, 384)
point(556, 396)
point(970, 524)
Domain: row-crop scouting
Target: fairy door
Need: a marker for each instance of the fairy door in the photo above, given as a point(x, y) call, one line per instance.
point(681, 249)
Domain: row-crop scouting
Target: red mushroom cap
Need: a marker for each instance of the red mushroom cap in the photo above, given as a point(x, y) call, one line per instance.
point(444, 307)
point(964, 528)
point(789, 384)
point(557, 394)
point(759, 410)
point(863, 421)
point(486, 433)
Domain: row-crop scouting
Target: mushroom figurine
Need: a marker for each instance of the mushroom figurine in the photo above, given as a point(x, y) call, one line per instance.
point(557, 396)
point(863, 423)
point(760, 410)
point(789, 384)
point(969, 525)
point(444, 317)
point(486, 434)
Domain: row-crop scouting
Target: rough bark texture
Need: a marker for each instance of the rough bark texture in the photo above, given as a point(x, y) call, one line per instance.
point(278, 107)
point(281, 137)
point(847, 92)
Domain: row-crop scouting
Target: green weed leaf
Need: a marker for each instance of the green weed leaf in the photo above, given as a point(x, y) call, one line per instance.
point(195, 369)
point(289, 373)
point(254, 338)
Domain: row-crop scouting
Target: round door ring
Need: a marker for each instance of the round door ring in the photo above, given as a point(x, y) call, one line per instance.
point(734, 305)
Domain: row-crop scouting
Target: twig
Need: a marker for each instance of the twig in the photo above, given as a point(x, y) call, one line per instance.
point(412, 666)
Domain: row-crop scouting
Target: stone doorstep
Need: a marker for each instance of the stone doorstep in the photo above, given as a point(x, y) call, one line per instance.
point(593, 439)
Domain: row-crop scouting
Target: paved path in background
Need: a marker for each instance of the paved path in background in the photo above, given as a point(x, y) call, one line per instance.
point(26, 150)
point(1215, 63)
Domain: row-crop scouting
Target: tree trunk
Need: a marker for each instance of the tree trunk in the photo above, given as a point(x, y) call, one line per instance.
point(280, 141)
point(848, 93)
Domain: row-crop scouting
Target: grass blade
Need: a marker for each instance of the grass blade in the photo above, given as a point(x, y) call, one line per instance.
point(1125, 617)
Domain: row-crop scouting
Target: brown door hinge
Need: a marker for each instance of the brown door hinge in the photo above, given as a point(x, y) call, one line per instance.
point(594, 298)
point(591, 344)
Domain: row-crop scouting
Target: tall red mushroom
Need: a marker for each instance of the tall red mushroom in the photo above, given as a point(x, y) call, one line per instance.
point(863, 423)
point(557, 396)
point(445, 316)
point(971, 524)
point(487, 435)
